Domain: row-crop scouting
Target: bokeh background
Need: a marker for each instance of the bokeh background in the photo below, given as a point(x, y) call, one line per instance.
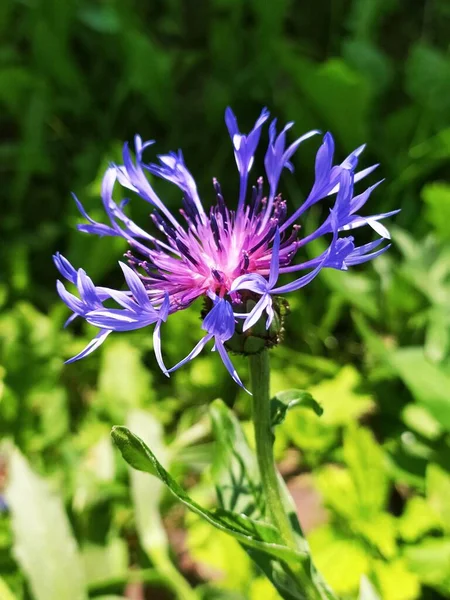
point(371, 476)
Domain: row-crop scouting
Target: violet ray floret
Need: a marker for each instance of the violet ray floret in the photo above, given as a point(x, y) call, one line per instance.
point(224, 255)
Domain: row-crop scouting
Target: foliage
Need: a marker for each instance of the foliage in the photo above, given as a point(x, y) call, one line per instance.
point(371, 348)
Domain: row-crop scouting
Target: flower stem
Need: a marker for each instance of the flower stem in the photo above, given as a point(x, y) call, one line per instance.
point(260, 378)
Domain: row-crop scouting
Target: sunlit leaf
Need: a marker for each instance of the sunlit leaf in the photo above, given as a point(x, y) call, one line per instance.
point(417, 519)
point(396, 581)
point(341, 561)
point(438, 493)
point(43, 542)
point(367, 590)
point(430, 560)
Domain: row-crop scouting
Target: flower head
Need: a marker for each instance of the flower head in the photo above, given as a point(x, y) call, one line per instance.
point(226, 256)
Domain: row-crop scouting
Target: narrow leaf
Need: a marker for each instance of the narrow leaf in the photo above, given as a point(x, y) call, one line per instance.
point(44, 545)
point(253, 534)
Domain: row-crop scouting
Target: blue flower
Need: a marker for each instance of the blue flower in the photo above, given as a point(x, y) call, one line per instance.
point(220, 253)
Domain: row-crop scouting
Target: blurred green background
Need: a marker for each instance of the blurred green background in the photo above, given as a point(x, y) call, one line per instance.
point(371, 476)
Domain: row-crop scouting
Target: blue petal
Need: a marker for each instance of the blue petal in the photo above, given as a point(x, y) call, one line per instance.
point(254, 282)
point(257, 311)
point(136, 287)
point(220, 320)
point(193, 353)
point(229, 365)
point(74, 303)
point(93, 345)
point(274, 261)
point(65, 267)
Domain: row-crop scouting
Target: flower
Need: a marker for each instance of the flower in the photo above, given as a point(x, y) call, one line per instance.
point(226, 256)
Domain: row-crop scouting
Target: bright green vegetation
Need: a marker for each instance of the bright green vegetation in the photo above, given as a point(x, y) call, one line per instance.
point(372, 346)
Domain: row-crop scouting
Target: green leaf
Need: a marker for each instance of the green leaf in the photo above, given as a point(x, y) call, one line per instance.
point(235, 469)
point(438, 493)
point(341, 402)
point(428, 383)
point(285, 401)
point(368, 468)
point(417, 519)
point(119, 394)
point(5, 592)
point(238, 484)
point(396, 580)
point(367, 590)
point(104, 564)
point(418, 418)
point(335, 90)
point(437, 199)
point(430, 560)
point(43, 542)
point(428, 80)
point(145, 492)
point(342, 561)
point(218, 555)
point(252, 534)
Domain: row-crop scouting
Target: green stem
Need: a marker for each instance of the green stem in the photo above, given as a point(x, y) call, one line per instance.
point(260, 378)
point(174, 579)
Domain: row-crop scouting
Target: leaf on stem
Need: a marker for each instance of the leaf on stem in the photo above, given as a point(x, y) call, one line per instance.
point(285, 401)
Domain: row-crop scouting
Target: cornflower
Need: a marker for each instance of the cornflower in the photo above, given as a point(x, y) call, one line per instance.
point(232, 258)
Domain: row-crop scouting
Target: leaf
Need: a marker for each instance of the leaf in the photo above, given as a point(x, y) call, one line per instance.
point(235, 469)
point(418, 418)
point(335, 91)
point(104, 564)
point(428, 80)
point(43, 542)
point(438, 493)
point(5, 592)
point(417, 519)
point(253, 534)
point(368, 468)
point(342, 561)
point(145, 492)
point(437, 199)
point(218, 556)
point(340, 401)
point(238, 484)
point(396, 581)
point(430, 560)
point(367, 590)
point(285, 401)
point(428, 383)
point(119, 394)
